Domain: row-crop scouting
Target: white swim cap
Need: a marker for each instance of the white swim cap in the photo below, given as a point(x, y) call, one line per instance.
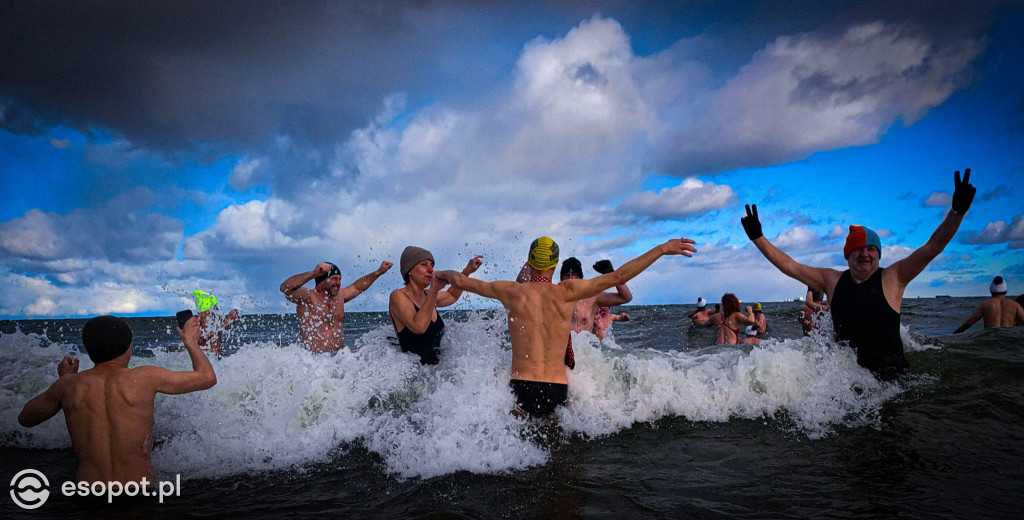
point(998, 286)
point(701, 302)
point(751, 330)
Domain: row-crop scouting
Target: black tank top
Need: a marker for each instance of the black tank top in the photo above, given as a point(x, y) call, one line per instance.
point(863, 317)
point(424, 345)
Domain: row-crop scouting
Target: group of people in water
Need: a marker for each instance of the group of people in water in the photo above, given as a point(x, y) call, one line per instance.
point(109, 408)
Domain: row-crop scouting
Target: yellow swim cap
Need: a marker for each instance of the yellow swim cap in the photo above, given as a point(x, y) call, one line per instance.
point(757, 307)
point(543, 254)
point(204, 300)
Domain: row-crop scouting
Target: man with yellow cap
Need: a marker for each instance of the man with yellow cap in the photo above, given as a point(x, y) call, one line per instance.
point(540, 316)
point(210, 337)
point(866, 298)
point(321, 311)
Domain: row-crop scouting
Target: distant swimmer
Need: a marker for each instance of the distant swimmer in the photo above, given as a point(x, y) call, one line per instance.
point(586, 309)
point(732, 318)
point(210, 328)
point(540, 316)
point(321, 311)
point(865, 298)
point(701, 316)
point(604, 319)
point(108, 409)
point(760, 318)
point(813, 307)
point(998, 311)
point(413, 308)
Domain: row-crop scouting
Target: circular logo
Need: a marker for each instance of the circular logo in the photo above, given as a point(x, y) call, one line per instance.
point(28, 489)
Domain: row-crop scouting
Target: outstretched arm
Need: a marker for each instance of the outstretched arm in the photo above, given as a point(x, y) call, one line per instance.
point(446, 298)
point(293, 289)
point(47, 404)
point(824, 279)
point(200, 378)
point(580, 289)
point(970, 320)
point(365, 282)
point(911, 266)
point(496, 290)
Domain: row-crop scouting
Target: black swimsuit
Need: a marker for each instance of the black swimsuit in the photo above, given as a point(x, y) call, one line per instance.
point(863, 317)
point(425, 345)
point(538, 398)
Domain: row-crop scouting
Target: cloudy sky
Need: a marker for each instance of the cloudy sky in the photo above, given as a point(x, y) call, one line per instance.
point(149, 150)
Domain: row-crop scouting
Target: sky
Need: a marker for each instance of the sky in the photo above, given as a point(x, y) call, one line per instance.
point(147, 150)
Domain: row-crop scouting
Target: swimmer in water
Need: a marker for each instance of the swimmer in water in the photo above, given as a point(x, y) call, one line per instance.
point(211, 329)
point(540, 317)
point(997, 311)
point(108, 409)
point(732, 318)
point(413, 308)
point(321, 311)
point(814, 305)
point(702, 316)
point(604, 319)
point(866, 298)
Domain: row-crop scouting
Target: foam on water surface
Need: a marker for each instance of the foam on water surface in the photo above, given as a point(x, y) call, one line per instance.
point(279, 407)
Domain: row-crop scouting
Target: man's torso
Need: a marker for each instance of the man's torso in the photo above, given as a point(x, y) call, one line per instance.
point(322, 322)
point(999, 312)
point(539, 326)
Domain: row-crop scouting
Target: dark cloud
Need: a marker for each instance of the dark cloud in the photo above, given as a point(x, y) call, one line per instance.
point(172, 75)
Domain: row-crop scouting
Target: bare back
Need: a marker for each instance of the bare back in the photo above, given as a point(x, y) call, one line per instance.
point(540, 321)
point(109, 415)
point(322, 322)
point(1000, 311)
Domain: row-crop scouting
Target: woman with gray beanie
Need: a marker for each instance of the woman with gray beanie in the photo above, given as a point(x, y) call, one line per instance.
point(413, 308)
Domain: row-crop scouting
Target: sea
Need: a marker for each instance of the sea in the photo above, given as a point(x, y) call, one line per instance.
point(660, 423)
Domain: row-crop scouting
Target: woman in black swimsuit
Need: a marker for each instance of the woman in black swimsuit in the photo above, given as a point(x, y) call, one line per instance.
point(413, 308)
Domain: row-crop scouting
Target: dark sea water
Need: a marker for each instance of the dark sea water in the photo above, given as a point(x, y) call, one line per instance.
point(659, 424)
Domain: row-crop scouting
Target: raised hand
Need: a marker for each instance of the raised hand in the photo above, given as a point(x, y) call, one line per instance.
point(68, 365)
point(190, 333)
point(751, 223)
point(963, 192)
point(604, 266)
point(384, 266)
point(473, 265)
point(679, 246)
point(321, 269)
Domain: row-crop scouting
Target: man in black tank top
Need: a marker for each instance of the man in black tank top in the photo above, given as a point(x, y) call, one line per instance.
point(866, 298)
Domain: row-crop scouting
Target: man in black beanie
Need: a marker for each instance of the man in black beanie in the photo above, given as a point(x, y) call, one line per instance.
point(108, 408)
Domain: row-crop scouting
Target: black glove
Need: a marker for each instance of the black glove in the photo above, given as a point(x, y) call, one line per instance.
point(963, 193)
point(751, 224)
point(604, 266)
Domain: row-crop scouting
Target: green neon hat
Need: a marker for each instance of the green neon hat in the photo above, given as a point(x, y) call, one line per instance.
point(204, 300)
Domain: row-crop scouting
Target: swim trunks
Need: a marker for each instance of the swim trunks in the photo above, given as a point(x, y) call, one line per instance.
point(862, 316)
point(537, 398)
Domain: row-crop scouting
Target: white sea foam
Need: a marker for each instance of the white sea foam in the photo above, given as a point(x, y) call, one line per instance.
point(279, 408)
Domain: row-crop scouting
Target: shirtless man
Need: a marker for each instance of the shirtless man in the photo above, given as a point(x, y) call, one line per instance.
point(866, 299)
point(540, 316)
point(109, 408)
point(586, 309)
point(702, 316)
point(998, 311)
point(813, 305)
point(321, 311)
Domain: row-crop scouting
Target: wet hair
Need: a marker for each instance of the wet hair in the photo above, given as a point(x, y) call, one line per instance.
point(730, 304)
point(571, 265)
point(106, 337)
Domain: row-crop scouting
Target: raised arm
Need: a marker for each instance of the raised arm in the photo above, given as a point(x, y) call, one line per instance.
point(621, 296)
point(446, 298)
point(293, 289)
point(911, 266)
point(580, 289)
point(47, 404)
point(822, 278)
point(978, 314)
point(365, 282)
point(496, 290)
point(200, 378)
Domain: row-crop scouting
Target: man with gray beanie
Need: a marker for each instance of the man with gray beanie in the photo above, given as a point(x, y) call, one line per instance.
point(413, 308)
point(998, 311)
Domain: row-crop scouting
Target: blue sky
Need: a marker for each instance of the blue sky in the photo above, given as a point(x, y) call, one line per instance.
point(147, 152)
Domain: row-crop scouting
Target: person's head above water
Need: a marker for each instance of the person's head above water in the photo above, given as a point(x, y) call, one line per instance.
point(334, 271)
point(998, 286)
point(730, 304)
point(572, 267)
point(411, 257)
point(204, 300)
point(106, 337)
point(757, 307)
point(543, 254)
point(861, 236)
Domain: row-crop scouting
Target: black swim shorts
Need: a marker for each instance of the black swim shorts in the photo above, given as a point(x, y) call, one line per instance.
point(538, 398)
